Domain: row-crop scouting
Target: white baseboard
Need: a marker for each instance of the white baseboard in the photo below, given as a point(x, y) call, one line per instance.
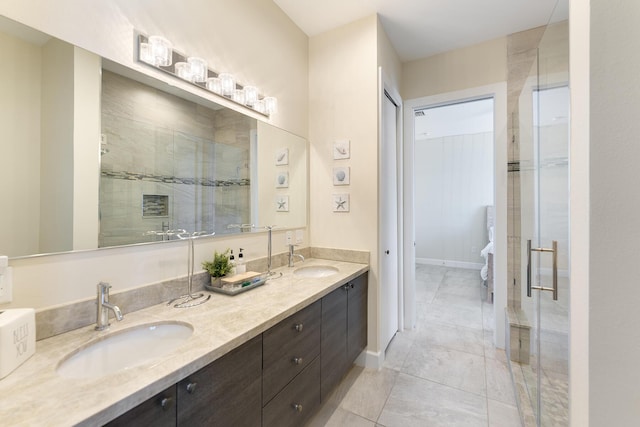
point(369, 359)
point(450, 263)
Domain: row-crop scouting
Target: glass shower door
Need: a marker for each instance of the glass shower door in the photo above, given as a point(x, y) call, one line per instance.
point(545, 230)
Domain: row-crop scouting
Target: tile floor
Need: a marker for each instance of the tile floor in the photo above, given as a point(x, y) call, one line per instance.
point(446, 372)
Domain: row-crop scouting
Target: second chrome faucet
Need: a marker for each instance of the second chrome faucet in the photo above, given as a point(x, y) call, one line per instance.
point(292, 255)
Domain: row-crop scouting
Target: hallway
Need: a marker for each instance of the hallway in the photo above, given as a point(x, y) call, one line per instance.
point(444, 373)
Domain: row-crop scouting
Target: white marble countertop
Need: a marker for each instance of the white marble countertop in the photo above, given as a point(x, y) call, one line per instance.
point(34, 394)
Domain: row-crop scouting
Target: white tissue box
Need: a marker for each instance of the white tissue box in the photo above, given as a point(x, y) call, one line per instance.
point(17, 338)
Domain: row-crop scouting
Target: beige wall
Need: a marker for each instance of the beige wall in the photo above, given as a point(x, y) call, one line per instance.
point(256, 40)
point(469, 67)
point(56, 180)
point(86, 73)
point(19, 108)
point(343, 83)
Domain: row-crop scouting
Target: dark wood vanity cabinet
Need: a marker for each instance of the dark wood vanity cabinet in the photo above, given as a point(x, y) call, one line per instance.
point(278, 378)
point(158, 411)
point(297, 402)
point(344, 331)
point(227, 392)
point(290, 370)
point(357, 303)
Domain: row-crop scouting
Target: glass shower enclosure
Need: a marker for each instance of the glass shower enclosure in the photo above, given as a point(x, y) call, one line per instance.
point(540, 183)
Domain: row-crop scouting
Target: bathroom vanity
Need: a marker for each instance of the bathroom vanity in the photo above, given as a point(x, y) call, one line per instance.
point(266, 357)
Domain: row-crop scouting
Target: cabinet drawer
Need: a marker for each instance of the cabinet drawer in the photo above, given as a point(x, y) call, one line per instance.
point(227, 392)
point(159, 411)
point(288, 347)
point(297, 402)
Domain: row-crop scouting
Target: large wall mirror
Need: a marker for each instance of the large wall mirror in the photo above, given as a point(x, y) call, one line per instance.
point(98, 155)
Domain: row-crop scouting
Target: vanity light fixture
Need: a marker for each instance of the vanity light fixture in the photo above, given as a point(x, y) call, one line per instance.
point(159, 53)
point(214, 85)
point(228, 84)
point(199, 71)
point(183, 70)
point(270, 105)
point(239, 96)
point(250, 95)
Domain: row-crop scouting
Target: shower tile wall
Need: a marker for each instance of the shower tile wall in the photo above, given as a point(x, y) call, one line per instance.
point(160, 144)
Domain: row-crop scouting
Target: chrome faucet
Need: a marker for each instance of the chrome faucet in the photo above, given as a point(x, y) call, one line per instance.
point(292, 255)
point(104, 306)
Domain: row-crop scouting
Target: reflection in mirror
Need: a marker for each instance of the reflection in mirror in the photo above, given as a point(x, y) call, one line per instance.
point(168, 163)
point(96, 162)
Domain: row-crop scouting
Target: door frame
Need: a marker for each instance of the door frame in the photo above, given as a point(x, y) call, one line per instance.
point(497, 91)
point(386, 85)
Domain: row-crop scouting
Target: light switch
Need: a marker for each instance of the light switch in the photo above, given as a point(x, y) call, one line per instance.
point(299, 237)
point(289, 237)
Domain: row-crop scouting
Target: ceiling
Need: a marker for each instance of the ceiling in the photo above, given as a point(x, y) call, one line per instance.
point(421, 28)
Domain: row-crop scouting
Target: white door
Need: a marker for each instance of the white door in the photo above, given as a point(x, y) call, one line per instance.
point(389, 222)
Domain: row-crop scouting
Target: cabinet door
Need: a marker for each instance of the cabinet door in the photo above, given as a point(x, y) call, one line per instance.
point(297, 402)
point(333, 342)
point(288, 347)
point(159, 411)
point(227, 392)
point(357, 317)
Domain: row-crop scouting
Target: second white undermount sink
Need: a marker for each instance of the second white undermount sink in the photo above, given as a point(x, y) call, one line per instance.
point(124, 349)
point(315, 271)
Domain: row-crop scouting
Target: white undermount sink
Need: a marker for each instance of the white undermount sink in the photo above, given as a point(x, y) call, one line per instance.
point(315, 271)
point(124, 349)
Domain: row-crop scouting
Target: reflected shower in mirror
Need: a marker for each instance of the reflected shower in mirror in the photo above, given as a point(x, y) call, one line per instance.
point(169, 163)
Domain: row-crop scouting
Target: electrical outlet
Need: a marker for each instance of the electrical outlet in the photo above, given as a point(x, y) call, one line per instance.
point(289, 238)
point(6, 286)
point(299, 236)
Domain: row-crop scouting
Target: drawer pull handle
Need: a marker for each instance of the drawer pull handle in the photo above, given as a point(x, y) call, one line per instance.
point(297, 407)
point(298, 327)
point(191, 387)
point(166, 403)
point(297, 360)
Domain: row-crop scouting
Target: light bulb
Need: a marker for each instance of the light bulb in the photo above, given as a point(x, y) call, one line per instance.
point(183, 70)
point(259, 106)
point(199, 69)
point(270, 105)
point(239, 96)
point(251, 95)
point(214, 85)
point(161, 51)
point(228, 84)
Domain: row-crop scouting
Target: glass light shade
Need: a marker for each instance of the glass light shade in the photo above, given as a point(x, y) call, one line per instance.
point(183, 70)
point(214, 85)
point(199, 71)
point(270, 105)
point(239, 96)
point(145, 53)
point(251, 95)
point(259, 106)
point(228, 84)
point(161, 51)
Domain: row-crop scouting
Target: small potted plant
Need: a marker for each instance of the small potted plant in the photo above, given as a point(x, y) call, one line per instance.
point(219, 267)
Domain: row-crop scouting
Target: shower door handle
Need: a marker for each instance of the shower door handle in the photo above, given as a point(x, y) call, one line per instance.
point(554, 251)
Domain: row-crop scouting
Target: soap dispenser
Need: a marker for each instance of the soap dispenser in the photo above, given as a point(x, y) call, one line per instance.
point(241, 267)
point(232, 261)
